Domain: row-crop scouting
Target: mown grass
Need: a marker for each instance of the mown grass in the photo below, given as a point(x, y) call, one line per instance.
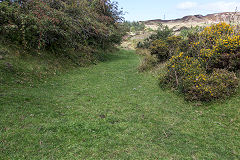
point(110, 111)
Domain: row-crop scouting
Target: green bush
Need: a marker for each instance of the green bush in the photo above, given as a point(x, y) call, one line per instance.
point(160, 49)
point(164, 49)
point(148, 62)
point(162, 33)
point(219, 84)
point(207, 69)
point(61, 25)
point(185, 33)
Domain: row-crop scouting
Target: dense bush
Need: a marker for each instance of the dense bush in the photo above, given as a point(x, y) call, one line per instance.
point(162, 33)
point(218, 84)
point(160, 49)
point(148, 62)
point(218, 47)
point(61, 24)
point(164, 49)
point(206, 70)
point(163, 44)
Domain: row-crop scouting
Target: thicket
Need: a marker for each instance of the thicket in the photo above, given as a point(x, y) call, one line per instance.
point(202, 63)
point(72, 28)
point(207, 69)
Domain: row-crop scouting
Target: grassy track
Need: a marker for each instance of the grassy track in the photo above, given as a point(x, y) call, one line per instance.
point(109, 111)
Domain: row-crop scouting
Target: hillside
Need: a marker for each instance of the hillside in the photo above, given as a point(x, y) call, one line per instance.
point(194, 20)
point(131, 40)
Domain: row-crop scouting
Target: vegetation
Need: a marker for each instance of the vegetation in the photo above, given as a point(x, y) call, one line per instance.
point(110, 111)
point(162, 33)
point(134, 26)
point(208, 69)
point(164, 49)
point(69, 28)
point(185, 32)
point(162, 44)
point(148, 62)
point(202, 65)
point(42, 38)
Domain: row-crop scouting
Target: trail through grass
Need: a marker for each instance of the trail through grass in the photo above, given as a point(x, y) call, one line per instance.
point(109, 111)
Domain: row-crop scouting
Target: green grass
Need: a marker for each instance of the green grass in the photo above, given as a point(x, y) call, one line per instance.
point(109, 111)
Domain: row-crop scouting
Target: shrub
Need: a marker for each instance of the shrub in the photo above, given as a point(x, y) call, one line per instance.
point(61, 25)
point(160, 49)
point(185, 32)
point(148, 62)
point(182, 68)
point(162, 33)
point(218, 47)
point(134, 26)
point(219, 84)
point(164, 49)
point(173, 43)
point(189, 76)
point(204, 70)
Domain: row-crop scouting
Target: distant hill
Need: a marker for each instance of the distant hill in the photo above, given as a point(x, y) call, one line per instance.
point(195, 20)
point(210, 18)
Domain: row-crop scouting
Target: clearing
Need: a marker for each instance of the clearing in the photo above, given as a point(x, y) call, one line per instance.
point(110, 111)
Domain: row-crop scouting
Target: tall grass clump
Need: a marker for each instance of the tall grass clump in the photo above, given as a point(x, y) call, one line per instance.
point(148, 62)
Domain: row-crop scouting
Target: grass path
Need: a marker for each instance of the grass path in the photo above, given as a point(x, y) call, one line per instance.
point(109, 111)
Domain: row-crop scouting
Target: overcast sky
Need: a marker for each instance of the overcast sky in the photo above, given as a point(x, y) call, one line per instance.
point(137, 10)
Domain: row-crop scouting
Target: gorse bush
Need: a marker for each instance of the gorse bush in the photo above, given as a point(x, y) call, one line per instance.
point(160, 49)
point(220, 83)
point(218, 47)
point(164, 49)
point(206, 70)
point(189, 76)
point(61, 24)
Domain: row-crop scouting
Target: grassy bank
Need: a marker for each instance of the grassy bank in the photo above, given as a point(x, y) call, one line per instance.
point(110, 111)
